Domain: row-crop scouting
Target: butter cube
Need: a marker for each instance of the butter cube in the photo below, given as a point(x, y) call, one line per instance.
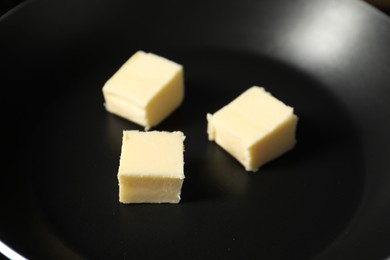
point(151, 167)
point(254, 128)
point(146, 89)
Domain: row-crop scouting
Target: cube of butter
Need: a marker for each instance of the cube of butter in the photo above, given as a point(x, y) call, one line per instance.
point(255, 128)
point(151, 167)
point(145, 90)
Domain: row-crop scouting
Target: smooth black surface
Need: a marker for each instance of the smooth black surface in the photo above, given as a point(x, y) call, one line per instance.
point(326, 199)
point(7, 5)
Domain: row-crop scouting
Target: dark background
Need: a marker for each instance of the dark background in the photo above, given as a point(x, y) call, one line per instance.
point(383, 5)
point(6, 5)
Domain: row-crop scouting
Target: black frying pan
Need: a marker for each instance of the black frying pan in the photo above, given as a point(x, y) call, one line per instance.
point(329, 198)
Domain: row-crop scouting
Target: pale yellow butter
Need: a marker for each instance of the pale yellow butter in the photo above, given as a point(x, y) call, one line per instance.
point(151, 167)
point(254, 128)
point(145, 90)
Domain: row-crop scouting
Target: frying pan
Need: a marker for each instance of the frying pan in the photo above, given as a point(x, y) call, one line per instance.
point(328, 198)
